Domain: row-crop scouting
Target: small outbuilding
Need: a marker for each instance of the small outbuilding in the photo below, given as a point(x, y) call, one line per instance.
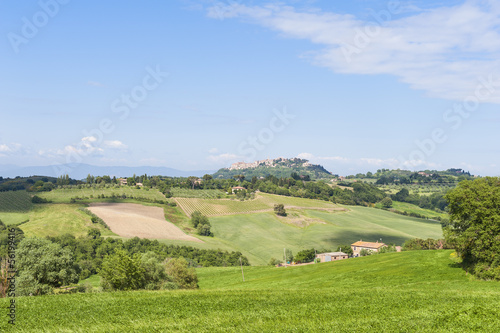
point(331, 256)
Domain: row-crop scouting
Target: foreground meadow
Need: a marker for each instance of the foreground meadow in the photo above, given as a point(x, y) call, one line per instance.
point(423, 291)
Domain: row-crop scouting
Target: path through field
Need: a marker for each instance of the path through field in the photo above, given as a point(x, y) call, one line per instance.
point(131, 220)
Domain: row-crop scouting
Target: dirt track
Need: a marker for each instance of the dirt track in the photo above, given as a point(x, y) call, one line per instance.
point(131, 220)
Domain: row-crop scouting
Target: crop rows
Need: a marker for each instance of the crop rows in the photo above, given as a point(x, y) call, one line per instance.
point(15, 201)
point(188, 193)
point(263, 202)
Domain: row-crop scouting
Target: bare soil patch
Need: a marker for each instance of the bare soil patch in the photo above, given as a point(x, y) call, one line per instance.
point(134, 220)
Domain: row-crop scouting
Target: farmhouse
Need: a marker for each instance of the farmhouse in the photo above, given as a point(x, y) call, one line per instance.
point(123, 181)
point(331, 256)
point(238, 188)
point(358, 246)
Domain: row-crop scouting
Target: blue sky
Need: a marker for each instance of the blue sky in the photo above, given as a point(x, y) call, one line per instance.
point(353, 85)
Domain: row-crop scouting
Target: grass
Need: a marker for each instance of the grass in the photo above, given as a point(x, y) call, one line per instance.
point(15, 201)
point(56, 220)
point(64, 195)
point(411, 208)
point(93, 280)
point(262, 236)
point(13, 218)
point(262, 202)
point(420, 291)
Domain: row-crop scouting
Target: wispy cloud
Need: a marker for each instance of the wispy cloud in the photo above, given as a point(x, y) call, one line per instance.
point(95, 84)
point(442, 50)
point(115, 144)
point(224, 158)
point(369, 162)
point(11, 149)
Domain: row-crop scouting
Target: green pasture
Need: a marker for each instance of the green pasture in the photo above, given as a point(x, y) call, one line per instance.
point(411, 208)
point(56, 220)
point(13, 218)
point(91, 193)
point(263, 236)
point(421, 291)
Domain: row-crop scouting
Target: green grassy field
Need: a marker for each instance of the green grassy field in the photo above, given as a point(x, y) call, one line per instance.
point(262, 236)
point(14, 218)
point(421, 291)
point(57, 219)
point(64, 195)
point(411, 208)
point(262, 202)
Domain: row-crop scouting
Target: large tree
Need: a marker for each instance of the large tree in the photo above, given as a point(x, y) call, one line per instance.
point(43, 265)
point(122, 272)
point(474, 230)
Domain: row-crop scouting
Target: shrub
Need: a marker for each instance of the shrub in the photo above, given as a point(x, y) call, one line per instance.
point(279, 209)
point(183, 276)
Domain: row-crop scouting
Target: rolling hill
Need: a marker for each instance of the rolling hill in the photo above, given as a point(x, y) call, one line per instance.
point(278, 167)
point(420, 291)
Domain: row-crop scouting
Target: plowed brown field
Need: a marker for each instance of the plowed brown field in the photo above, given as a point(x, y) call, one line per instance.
point(131, 220)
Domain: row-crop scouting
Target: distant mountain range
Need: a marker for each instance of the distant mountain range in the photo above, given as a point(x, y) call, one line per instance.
point(80, 171)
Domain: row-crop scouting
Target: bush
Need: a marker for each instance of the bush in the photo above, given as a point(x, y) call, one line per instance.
point(121, 272)
point(274, 262)
point(279, 209)
point(305, 256)
point(183, 276)
point(365, 252)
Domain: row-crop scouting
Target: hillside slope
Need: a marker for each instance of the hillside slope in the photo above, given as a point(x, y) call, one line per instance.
point(400, 292)
point(279, 167)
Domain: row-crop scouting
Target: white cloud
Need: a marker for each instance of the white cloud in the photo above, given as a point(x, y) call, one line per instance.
point(213, 151)
point(311, 157)
point(115, 144)
point(224, 158)
point(368, 162)
point(10, 149)
point(443, 51)
point(86, 147)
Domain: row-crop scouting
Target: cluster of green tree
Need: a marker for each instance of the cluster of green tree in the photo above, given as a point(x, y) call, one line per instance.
point(37, 200)
point(308, 255)
point(451, 176)
point(88, 252)
point(474, 227)
point(359, 194)
point(387, 176)
point(43, 265)
point(433, 201)
point(120, 271)
point(386, 249)
point(279, 209)
point(201, 223)
point(123, 196)
point(4, 237)
point(425, 244)
point(281, 169)
point(28, 183)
